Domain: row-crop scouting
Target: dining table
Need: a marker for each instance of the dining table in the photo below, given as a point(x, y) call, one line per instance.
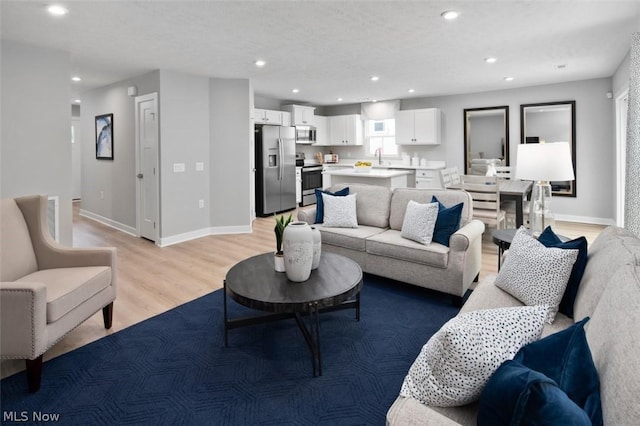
point(510, 190)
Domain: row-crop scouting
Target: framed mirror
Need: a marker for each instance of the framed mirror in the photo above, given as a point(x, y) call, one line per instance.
point(486, 138)
point(551, 122)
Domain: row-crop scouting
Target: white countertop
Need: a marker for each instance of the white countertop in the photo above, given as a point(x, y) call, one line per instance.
point(373, 173)
point(431, 165)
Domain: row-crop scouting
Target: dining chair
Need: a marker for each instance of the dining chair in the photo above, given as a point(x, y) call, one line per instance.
point(485, 192)
point(445, 178)
point(504, 172)
point(455, 175)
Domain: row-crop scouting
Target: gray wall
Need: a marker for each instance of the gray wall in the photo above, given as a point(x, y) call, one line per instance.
point(487, 134)
point(231, 133)
point(35, 154)
point(184, 129)
point(621, 77)
point(550, 126)
point(116, 179)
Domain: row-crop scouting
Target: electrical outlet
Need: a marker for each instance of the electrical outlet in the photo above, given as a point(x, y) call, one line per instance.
point(201, 204)
point(102, 195)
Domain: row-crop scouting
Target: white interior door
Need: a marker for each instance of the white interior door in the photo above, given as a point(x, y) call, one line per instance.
point(622, 110)
point(147, 175)
point(76, 159)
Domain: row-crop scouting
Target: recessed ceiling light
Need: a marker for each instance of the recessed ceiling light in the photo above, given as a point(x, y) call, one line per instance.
point(76, 78)
point(375, 100)
point(508, 79)
point(449, 15)
point(375, 78)
point(260, 63)
point(77, 101)
point(411, 90)
point(490, 60)
point(295, 90)
point(339, 99)
point(57, 10)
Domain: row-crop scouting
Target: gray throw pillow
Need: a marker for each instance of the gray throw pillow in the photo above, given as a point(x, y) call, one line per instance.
point(535, 274)
point(339, 212)
point(419, 222)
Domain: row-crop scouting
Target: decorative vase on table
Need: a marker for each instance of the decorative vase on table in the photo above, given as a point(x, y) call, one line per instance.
point(317, 247)
point(298, 251)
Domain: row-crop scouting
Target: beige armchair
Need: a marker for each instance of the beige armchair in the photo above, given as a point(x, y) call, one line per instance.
point(46, 290)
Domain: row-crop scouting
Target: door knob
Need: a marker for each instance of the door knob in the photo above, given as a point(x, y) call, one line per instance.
point(139, 175)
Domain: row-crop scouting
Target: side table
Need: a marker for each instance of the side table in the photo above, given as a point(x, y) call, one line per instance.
point(503, 237)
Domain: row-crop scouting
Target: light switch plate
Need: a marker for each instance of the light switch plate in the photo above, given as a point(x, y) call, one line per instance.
point(178, 168)
point(199, 167)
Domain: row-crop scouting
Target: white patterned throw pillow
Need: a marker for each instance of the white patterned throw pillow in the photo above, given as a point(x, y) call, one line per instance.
point(535, 274)
point(456, 363)
point(339, 212)
point(419, 222)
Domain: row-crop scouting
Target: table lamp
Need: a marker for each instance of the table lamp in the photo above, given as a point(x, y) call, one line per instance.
point(543, 163)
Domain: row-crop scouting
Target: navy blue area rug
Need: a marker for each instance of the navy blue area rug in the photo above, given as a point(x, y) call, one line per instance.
point(173, 368)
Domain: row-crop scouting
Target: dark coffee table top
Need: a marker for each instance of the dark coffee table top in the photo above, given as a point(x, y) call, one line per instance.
point(254, 283)
point(503, 237)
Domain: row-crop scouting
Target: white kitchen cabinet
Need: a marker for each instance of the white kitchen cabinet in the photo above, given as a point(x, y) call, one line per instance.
point(267, 116)
point(286, 118)
point(419, 127)
point(322, 130)
point(345, 130)
point(298, 185)
point(301, 115)
point(428, 179)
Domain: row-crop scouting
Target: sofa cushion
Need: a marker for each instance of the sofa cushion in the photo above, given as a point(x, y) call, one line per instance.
point(68, 288)
point(613, 248)
point(320, 202)
point(349, 238)
point(456, 363)
point(519, 395)
point(535, 274)
point(550, 239)
point(372, 204)
point(565, 358)
point(18, 258)
point(391, 244)
point(614, 341)
point(448, 221)
point(419, 222)
point(340, 212)
point(448, 197)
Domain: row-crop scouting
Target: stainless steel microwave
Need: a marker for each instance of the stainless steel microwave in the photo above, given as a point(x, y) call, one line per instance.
point(305, 134)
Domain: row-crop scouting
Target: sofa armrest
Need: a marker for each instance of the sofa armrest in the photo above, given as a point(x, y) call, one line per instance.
point(462, 238)
point(23, 319)
point(307, 215)
point(409, 412)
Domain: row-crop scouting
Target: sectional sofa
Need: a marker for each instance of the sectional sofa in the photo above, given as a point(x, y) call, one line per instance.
point(377, 246)
point(609, 294)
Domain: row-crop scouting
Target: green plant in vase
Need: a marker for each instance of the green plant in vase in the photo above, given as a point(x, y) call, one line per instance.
point(281, 224)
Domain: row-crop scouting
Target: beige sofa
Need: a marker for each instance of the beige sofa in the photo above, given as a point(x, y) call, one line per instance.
point(46, 290)
point(609, 293)
point(379, 249)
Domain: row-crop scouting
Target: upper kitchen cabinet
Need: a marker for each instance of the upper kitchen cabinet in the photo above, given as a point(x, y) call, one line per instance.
point(301, 115)
point(322, 130)
point(419, 127)
point(345, 130)
point(267, 116)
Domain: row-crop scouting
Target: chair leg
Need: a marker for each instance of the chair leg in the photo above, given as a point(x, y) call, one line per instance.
point(107, 315)
point(34, 373)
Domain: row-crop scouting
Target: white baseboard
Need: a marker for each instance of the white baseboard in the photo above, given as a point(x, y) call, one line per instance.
point(109, 222)
point(585, 219)
point(181, 238)
point(220, 230)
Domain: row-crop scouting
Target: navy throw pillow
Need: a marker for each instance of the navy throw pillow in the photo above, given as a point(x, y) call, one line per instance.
point(518, 395)
point(565, 358)
point(320, 203)
point(447, 223)
point(549, 239)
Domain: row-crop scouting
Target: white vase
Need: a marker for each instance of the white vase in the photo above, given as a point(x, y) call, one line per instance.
point(297, 244)
point(317, 247)
point(278, 262)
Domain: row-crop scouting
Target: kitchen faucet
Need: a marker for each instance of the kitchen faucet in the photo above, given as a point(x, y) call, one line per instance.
point(379, 154)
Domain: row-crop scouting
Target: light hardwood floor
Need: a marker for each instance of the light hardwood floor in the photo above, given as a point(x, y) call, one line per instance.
point(152, 280)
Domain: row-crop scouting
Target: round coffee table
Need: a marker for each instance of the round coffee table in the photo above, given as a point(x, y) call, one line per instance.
point(254, 283)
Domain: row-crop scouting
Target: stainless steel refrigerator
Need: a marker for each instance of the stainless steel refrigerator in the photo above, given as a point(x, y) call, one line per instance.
point(275, 169)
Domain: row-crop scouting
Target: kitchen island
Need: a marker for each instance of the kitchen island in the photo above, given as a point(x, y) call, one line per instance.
point(389, 178)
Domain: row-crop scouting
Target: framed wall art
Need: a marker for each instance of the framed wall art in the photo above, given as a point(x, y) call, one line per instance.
point(104, 137)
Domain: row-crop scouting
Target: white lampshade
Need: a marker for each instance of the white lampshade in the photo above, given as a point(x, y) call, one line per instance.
point(544, 161)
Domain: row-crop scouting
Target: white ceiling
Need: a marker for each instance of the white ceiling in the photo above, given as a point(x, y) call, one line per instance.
point(329, 49)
